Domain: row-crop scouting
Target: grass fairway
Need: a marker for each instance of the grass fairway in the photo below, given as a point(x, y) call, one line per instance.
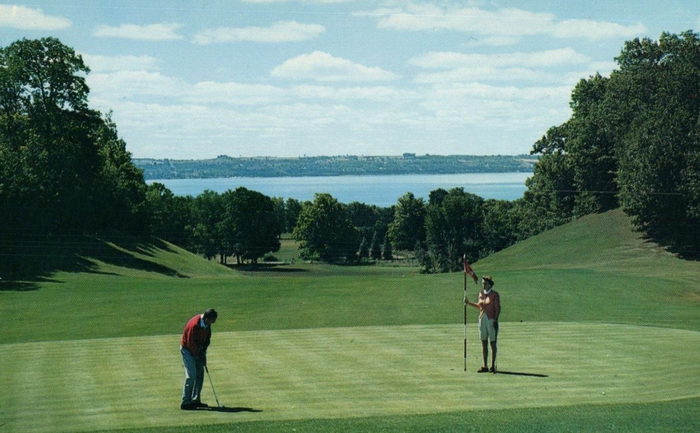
point(612, 321)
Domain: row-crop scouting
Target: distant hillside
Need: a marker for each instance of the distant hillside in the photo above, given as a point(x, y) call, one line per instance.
point(408, 163)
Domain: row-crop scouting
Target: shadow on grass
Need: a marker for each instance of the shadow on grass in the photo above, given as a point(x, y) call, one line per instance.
point(27, 264)
point(229, 409)
point(515, 373)
point(17, 286)
point(266, 267)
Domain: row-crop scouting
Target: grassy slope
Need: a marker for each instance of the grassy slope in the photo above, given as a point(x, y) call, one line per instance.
point(597, 269)
point(593, 270)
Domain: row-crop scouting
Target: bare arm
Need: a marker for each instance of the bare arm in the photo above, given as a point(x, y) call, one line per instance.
point(476, 305)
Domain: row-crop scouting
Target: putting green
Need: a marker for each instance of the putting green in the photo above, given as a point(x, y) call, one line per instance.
point(97, 384)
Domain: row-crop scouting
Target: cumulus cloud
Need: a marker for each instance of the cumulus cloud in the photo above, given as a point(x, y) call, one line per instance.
point(321, 66)
point(190, 118)
point(285, 31)
point(150, 32)
point(20, 17)
point(506, 22)
point(109, 82)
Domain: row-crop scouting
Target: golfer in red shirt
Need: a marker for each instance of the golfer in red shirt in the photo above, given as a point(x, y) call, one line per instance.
point(193, 346)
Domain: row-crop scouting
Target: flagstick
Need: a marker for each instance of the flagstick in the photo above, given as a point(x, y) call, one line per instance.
point(465, 321)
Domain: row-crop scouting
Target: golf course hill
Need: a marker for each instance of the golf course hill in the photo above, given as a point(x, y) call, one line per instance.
point(600, 331)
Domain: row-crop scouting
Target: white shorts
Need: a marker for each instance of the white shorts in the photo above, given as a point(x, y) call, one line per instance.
point(487, 331)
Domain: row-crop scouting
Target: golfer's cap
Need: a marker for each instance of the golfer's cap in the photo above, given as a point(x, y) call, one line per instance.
point(487, 278)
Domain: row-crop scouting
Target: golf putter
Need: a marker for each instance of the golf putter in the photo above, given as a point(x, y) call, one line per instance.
point(212, 386)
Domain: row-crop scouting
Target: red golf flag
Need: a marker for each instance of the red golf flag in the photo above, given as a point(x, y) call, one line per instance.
point(468, 270)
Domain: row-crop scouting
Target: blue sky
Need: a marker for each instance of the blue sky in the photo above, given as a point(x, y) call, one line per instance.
point(197, 79)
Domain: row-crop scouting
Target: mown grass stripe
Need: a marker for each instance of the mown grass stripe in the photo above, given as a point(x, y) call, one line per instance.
point(88, 385)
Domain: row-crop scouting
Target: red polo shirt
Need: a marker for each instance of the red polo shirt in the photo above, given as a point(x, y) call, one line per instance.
point(196, 338)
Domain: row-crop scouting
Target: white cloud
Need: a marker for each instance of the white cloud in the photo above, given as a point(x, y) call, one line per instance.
point(207, 118)
point(118, 85)
point(504, 22)
point(372, 93)
point(484, 73)
point(560, 56)
point(507, 22)
point(595, 30)
point(322, 66)
point(298, 119)
point(20, 17)
point(285, 31)
point(517, 66)
point(470, 91)
point(150, 32)
point(120, 63)
point(208, 92)
point(492, 41)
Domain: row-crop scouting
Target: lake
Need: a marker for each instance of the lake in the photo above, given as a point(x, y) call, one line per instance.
point(381, 191)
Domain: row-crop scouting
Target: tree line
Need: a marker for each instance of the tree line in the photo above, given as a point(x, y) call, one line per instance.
point(63, 168)
point(342, 165)
point(633, 140)
point(246, 224)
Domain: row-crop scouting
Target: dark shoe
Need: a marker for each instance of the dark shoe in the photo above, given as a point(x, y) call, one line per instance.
point(200, 404)
point(483, 370)
point(493, 370)
point(188, 406)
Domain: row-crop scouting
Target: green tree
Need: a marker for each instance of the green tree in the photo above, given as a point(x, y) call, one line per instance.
point(453, 228)
point(659, 149)
point(324, 230)
point(207, 212)
point(591, 148)
point(363, 250)
point(549, 198)
point(121, 189)
point(169, 215)
point(408, 226)
point(501, 226)
point(375, 247)
point(633, 139)
point(50, 161)
point(387, 250)
point(363, 217)
point(292, 209)
point(249, 226)
point(63, 169)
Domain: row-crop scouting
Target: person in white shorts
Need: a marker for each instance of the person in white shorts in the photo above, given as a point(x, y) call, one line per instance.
point(489, 306)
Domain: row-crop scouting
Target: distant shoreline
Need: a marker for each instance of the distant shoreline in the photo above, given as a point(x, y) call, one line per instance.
point(225, 166)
